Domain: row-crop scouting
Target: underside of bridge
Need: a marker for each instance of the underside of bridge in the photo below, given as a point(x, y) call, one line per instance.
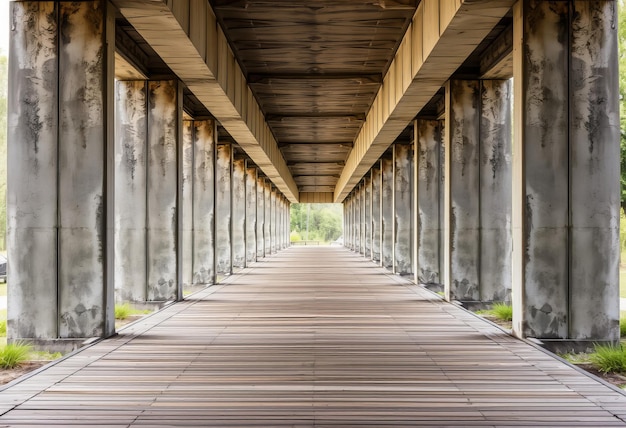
point(159, 143)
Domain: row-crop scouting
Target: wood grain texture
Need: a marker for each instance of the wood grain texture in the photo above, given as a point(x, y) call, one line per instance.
point(311, 337)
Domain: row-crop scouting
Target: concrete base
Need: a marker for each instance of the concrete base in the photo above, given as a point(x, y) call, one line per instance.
point(63, 346)
point(567, 346)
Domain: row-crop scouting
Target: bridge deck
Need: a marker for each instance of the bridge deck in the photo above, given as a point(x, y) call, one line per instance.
point(311, 337)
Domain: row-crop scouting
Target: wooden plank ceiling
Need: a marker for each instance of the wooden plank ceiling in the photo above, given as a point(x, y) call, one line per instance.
point(315, 68)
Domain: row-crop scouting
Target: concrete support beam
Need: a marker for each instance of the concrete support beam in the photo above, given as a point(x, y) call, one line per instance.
point(251, 215)
point(462, 190)
point(198, 52)
point(204, 243)
point(403, 209)
point(376, 212)
point(362, 218)
point(223, 209)
point(131, 125)
point(273, 220)
point(260, 217)
point(187, 203)
point(238, 214)
point(347, 222)
point(357, 219)
point(442, 35)
point(566, 171)
point(367, 193)
point(268, 218)
point(429, 162)
point(60, 168)
point(388, 220)
point(163, 236)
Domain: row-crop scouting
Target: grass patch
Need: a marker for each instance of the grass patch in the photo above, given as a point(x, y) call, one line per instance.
point(14, 354)
point(45, 355)
point(502, 311)
point(126, 310)
point(622, 324)
point(3, 328)
point(609, 358)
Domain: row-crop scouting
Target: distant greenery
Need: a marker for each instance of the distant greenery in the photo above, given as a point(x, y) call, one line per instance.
point(125, 310)
point(622, 324)
point(316, 222)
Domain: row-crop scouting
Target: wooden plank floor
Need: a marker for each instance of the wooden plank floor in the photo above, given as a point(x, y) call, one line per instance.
point(311, 337)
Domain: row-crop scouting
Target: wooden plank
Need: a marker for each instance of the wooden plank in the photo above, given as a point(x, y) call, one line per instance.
point(313, 336)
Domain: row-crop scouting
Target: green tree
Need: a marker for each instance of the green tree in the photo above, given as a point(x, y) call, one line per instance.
point(324, 222)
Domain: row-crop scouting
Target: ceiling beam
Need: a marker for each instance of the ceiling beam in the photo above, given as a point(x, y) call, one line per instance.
point(186, 36)
point(269, 78)
point(272, 117)
point(441, 36)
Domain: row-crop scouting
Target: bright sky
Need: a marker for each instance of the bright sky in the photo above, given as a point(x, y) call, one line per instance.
point(4, 26)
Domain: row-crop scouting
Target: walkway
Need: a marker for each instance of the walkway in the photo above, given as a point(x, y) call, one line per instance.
point(311, 337)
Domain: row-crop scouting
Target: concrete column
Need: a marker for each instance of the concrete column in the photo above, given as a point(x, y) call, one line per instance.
point(495, 191)
point(273, 220)
point(428, 138)
point(251, 214)
point(376, 211)
point(238, 214)
point(60, 168)
point(357, 219)
point(388, 221)
point(131, 120)
point(347, 223)
point(260, 217)
point(187, 203)
point(367, 193)
point(566, 171)
point(403, 209)
point(268, 217)
point(163, 246)
point(204, 136)
point(462, 190)
point(223, 209)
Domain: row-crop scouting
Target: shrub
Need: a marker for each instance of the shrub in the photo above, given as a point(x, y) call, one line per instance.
point(13, 354)
point(122, 311)
point(3, 328)
point(609, 358)
point(502, 311)
point(622, 326)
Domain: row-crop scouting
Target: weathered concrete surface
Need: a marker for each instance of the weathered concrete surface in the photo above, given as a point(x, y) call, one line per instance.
point(540, 263)
point(428, 137)
point(367, 223)
point(163, 123)
point(462, 183)
point(131, 122)
point(376, 211)
point(251, 215)
point(347, 222)
point(260, 217)
point(223, 208)
point(187, 203)
point(268, 217)
point(273, 220)
point(204, 202)
point(495, 191)
point(403, 209)
point(388, 221)
point(357, 218)
point(239, 213)
point(32, 171)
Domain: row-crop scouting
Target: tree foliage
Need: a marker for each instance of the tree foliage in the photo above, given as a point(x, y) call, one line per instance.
point(316, 222)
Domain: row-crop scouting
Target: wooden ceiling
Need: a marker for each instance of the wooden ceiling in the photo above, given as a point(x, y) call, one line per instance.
point(314, 68)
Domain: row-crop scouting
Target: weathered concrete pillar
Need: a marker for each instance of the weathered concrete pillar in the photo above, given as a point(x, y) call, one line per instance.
point(251, 214)
point(187, 203)
point(403, 209)
point(566, 171)
point(131, 124)
point(462, 190)
point(495, 191)
point(273, 220)
point(163, 236)
point(376, 211)
point(60, 168)
point(238, 215)
point(357, 219)
point(204, 136)
point(223, 209)
point(347, 223)
point(388, 220)
point(260, 217)
point(268, 217)
point(367, 223)
point(428, 138)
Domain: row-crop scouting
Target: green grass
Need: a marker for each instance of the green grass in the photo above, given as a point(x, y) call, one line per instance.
point(609, 358)
point(502, 311)
point(14, 354)
point(126, 310)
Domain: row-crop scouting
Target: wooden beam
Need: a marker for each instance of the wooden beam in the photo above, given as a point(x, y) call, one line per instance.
point(441, 36)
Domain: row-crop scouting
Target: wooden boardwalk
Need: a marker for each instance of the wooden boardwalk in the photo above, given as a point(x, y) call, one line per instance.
point(311, 337)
